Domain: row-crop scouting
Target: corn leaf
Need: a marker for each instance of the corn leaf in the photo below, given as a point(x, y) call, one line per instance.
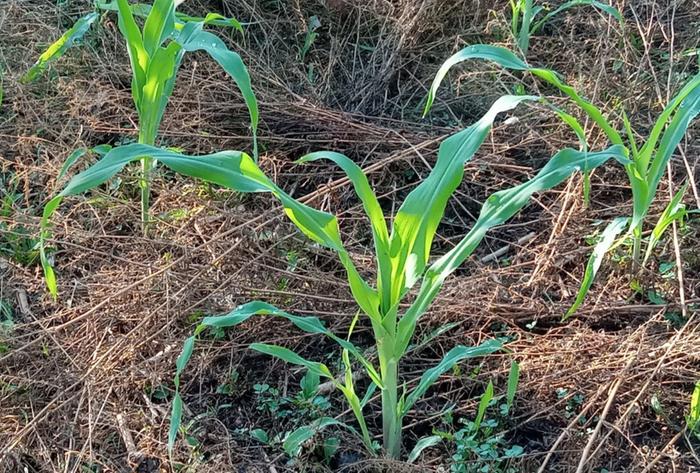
point(523, 37)
point(497, 209)
point(289, 356)
point(60, 46)
point(159, 25)
point(611, 232)
point(508, 60)
point(453, 357)
point(674, 211)
point(307, 324)
point(143, 10)
point(232, 63)
point(609, 9)
point(138, 57)
point(234, 170)
point(160, 74)
point(420, 214)
point(373, 211)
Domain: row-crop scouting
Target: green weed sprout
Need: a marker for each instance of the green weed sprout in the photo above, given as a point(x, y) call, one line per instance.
point(402, 261)
point(523, 14)
point(155, 52)
point(647, 161)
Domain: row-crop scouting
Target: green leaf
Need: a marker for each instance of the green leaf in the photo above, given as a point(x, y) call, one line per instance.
point(307, 324)
point(160, 24)
point(497, 209)
point(295, 440)
point(60, 46)
point(420, 214)
point(693, 418)
point(609, 9)
point(138, 57)
point(524, 29)
point(260, 435)
point(175, 421)
point(611, 232)
point(508, 60)
point(453, 357)
point(674, 211)
point(233, 65)
point(483, 405)
point(687, 110)
point(289, 356)
point(421, 445)
point(373, 211)
point(70, 161)
point(513, 378)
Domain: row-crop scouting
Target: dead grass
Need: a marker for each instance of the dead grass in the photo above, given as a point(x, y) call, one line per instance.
point(77, 376)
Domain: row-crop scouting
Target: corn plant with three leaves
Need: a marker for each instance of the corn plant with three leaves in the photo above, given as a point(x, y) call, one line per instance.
point(403, 261)
point(156, 51)
point(647, 160)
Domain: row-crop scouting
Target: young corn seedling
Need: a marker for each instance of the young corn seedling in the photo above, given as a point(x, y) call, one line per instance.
point(523, 22)
point(155, 51)
point(647, 160)
point(402, 259)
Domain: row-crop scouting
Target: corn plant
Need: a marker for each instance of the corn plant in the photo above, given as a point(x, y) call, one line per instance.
point(402, 259)
point(647, 161)
point(523, 23)
point(155, 51)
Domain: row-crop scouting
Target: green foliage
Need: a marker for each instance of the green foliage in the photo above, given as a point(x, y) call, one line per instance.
point(156, 50)
point(647, 162)
point(480, 445)
point(693, 418)
point(524, 12)
point(402, 260)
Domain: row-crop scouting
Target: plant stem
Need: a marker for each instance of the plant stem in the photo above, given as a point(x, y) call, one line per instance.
point(636, 249)
point(145, 182)
point(390, 412)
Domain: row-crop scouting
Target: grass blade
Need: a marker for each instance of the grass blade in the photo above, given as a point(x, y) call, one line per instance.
point(60, 46)
point(453, 357)
point(483, 405)
point(674, 211)
point(422, 444)
point(513, 379)
point(611, 232)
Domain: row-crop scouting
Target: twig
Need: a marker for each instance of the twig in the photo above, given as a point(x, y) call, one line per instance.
point(505, 249)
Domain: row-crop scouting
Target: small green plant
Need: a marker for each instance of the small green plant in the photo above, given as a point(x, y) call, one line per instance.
point(692, 420)
point(156, 51)
point(480, 445)
point(523, 23)
point(307, 406)
point(402, 260)
point(645, 166)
